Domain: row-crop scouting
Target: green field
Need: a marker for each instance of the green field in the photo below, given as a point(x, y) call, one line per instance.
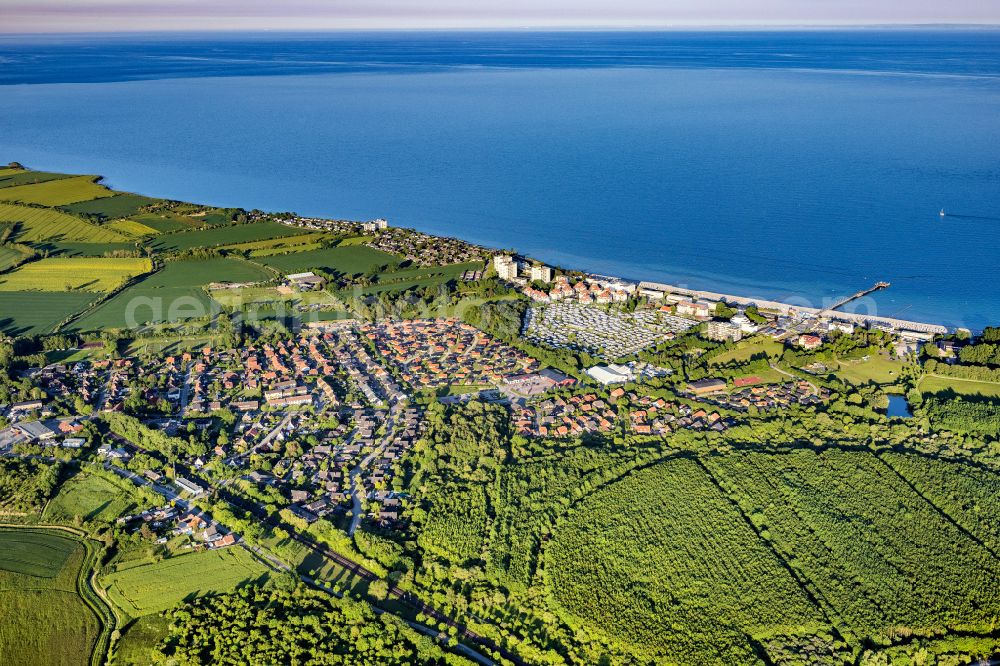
point(32, 312)
point(225, 235)
point(174, 292)
point(93, 497)
point(57, 192)
point(167, 222)
point(43, 619)
point(280, 244)
point(77, 355)
point(61, 249)
point(72, 274)
point(13, 177)
point(150, 588)
point(260, 295)
point(113, 207)
point(939, 384)
point(745, 349)
point(879, 369)
point(345, 260)
point(45, 224)
point(9, 256)
point(162, 346)
point(417, 277)
point(42, 555)
point(198, 272)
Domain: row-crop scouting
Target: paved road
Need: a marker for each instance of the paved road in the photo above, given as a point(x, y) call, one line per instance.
point(261, 513)
point(263, 442)
point(353, 567)
point(186, 388)
point(795, 377)
point(390, 431)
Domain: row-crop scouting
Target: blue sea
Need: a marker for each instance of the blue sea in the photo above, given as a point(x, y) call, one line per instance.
point(799, 166)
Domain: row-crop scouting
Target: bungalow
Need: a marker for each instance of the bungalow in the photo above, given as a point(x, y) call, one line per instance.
point(67, 426)
point(193, 521)
point(73, 442)
point(227, 540)
point(115, 454)
point(304, 514)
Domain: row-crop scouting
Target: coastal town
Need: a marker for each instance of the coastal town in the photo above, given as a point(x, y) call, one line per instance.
point(319, 421)
point(499, 334)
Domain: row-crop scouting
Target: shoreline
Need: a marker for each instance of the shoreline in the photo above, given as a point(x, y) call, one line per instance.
point(783, 307)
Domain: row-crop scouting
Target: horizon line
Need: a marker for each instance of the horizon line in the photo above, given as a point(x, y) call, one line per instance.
point(665, 27)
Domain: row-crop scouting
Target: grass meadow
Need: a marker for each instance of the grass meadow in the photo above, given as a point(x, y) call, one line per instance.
point(43, 618)
point(415, 278)
point(347, 260)
point(939, 384)
point(15, 177)
point(280, 244)
point(154, 587)
point(138, 639)
point(32, 312)
point(879, 369)
point(224, 235)
point(174, 292)
point(113, 207)
point(71, 274)
point(93, 497)
point(746, 349)
point(168, 222)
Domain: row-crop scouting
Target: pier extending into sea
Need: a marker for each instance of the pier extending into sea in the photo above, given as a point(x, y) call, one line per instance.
point(902, 326)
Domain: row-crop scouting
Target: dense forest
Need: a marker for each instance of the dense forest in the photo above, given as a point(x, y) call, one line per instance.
point(271, 626)
point(801, 537)
point(26, 485)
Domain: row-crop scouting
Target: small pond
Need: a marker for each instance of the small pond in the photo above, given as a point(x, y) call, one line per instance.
point(899, 407)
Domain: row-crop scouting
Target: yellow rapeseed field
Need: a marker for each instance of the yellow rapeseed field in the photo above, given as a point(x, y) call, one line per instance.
point(57, 192)
point(74, 274)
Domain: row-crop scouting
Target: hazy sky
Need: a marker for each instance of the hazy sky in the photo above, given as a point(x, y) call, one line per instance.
point(131, 15)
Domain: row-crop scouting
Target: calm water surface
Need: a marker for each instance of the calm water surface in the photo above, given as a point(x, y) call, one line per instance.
point(797, 166)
